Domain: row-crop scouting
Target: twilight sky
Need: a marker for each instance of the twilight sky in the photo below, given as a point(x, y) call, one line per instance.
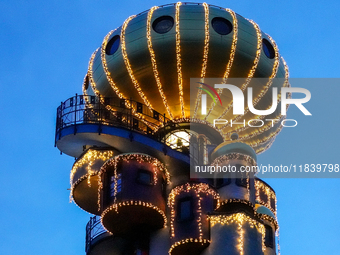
point(45, 48)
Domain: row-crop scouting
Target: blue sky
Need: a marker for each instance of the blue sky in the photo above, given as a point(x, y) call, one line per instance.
point(45, 48)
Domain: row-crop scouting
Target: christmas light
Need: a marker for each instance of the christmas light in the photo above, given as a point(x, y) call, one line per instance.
point(154, 62)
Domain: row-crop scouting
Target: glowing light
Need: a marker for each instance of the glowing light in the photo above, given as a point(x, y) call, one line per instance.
point(205, 53)
point(231, 57)
point(253, 69)
point(239, 219)
point(179, 60)
point(154, 62)
point(128, 65)
point(106, 70)
point(198, 189)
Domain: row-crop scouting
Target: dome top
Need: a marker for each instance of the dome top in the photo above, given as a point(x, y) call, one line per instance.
point(233, 147)
point(153, 55)
point(264, 210)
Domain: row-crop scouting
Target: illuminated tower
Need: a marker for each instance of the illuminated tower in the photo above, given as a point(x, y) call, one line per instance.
point(135, 131)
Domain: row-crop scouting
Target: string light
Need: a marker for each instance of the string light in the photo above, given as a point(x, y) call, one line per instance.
point(154, 62)
point(222, 159)
point(255, 63)
point(179, 60)
point(266, 87)
point(140, 158)
point(205, 53)
point(236, 200)
point(128, 65)
point(188, 240)
point(115, 207)
point(108, 107)
point(261, 187)
point(105, 68)
point(88, 159)
point(231, 57)
point(240, 219)
point(198, 189)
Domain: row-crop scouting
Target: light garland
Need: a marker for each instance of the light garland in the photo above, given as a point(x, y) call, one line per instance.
point(72, 190)
point(221, 159)
point(266, 87)
point(188, 240)
point(106, 69)
point(240, 219)
point(115, 207)
point(255, 63)
point(195, 120)
point(179, 60)
point(231, 57)
point(101, 99)
point(128, 65)
point(154, 62)
point(262, 187)
point(265, 217)
point(236, 200)
point(140, 158)
point(205, 54)
point(89, 158)
point(198, 189)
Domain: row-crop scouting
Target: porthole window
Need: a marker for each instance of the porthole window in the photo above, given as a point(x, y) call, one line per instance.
point(163, 24)
point(222, 26)
point(268, 48)
point(113, 45)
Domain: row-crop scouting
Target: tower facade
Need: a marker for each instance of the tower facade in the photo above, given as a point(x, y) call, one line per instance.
point(138, 131)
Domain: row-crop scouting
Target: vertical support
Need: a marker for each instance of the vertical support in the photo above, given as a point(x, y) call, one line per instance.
point(75, 115)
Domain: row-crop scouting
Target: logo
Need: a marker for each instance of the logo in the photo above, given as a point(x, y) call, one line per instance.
point(238, 102)
point(204, 97)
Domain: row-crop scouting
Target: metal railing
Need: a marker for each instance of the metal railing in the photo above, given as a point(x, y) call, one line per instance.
point(116, 112)
point(94, 229)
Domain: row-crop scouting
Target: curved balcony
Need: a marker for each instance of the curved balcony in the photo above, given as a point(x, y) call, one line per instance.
point(130, 114)
point(97, 238)
point(126, 125)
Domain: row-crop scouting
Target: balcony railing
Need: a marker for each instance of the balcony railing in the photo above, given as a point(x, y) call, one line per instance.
point(129, 114)
point(94, 229)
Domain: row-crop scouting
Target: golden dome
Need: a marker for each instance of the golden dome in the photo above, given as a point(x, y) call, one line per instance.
point(153, 55)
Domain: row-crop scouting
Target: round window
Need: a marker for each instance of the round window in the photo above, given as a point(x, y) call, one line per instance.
point(221, 26)
point(268, 48)
point(163, 24)
point(113, 45)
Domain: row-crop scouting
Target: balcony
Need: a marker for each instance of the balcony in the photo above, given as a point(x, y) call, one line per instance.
point(97, 238)
point(89, 114)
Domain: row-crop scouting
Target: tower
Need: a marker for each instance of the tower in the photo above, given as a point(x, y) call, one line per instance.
point(137, 133)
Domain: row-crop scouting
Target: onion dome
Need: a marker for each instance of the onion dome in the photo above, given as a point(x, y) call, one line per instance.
point(153, 55)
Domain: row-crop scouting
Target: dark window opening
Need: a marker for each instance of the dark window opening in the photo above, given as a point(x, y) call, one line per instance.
point(268, 48)
point(144, 177)
point(269, 237)
point(163, 24)
point(113, 45)
point(263, 196)
point(185, 209)
point(221, 26)
point(272, 203)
